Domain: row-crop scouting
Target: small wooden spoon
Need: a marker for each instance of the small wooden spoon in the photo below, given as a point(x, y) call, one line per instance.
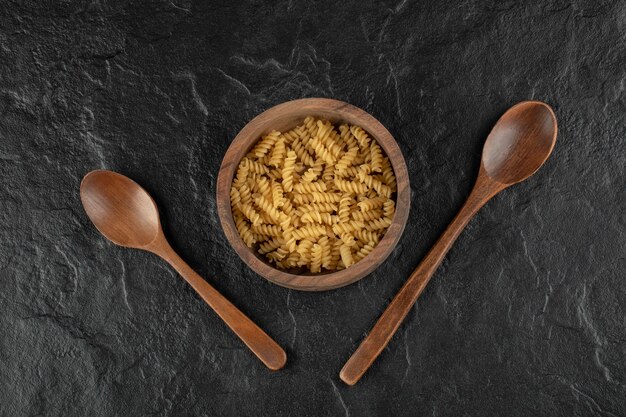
point(126, 215)
point(518, 145)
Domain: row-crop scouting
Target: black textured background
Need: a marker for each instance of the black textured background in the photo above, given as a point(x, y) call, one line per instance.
point(527, 315)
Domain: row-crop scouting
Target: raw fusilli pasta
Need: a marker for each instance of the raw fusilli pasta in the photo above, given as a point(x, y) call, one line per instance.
point(315, 197)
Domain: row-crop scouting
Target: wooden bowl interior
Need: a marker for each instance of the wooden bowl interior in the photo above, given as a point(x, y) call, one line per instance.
point(285, 117)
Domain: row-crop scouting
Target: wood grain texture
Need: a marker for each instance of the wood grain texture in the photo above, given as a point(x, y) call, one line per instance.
point(284, 117)
point(128, 216)
point(518, 145)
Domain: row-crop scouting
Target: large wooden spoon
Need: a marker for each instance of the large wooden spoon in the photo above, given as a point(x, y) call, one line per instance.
point(126, 215)
point(518, 145)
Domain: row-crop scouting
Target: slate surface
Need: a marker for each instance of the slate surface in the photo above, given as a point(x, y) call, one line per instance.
point(527, 315)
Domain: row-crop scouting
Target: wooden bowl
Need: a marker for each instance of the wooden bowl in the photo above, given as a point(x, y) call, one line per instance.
point(284, 117)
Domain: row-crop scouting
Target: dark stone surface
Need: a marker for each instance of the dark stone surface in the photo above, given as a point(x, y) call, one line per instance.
point(527, 316)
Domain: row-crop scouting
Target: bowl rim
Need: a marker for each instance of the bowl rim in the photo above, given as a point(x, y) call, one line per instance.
point(245, 139)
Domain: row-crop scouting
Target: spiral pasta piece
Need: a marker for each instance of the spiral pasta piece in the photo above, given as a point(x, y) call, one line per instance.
point(389, 208)
point(371, 203)
point(244, 231)
point(290, 261)
point(321, 207)
point(366, 216)
point(362, 138)
point(304, 250)
point(251, 214)
point(316, 258)
point(278, 153)
point(288, 171)
point(278, 254)
point(290, 136)
point(260, 238)
point(235, 200)
point(270, 245)
point(300, 199)
point(347, 159)
point(347, 137)
point(327, 136)
point(242, 175)
point(350, 172)
point(325, 197)
point(265, 144)
point(255, 167)
point(309, 231)
point(367, 235)
point(321, 151)
point(262, 187)
point(349, 227)
point(264, 204)
point(302, 152)
point(345, 207)
point(324, 243)
point(375, 184)
point(348, 239)
point(388, 176)
point(277, 194)
point(311, 127)
point(376, 155)
point(290, 239)
point(310, 187)
point(315, 171)
point(346, 255)
point(364, 168)
point(287, 207)
point(378, 224)
point(267, 230)
point(328, 175)
point(364, 251)
point(350, 186)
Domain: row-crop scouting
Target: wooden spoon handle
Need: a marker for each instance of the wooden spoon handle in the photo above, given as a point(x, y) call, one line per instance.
point(392, 317)
point(263, 346)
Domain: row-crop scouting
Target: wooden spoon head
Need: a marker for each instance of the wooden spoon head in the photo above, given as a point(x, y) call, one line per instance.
point(520, 142)
point(120, 209)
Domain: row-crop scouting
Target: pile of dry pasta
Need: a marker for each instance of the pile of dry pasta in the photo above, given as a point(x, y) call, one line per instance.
point(314, 197)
